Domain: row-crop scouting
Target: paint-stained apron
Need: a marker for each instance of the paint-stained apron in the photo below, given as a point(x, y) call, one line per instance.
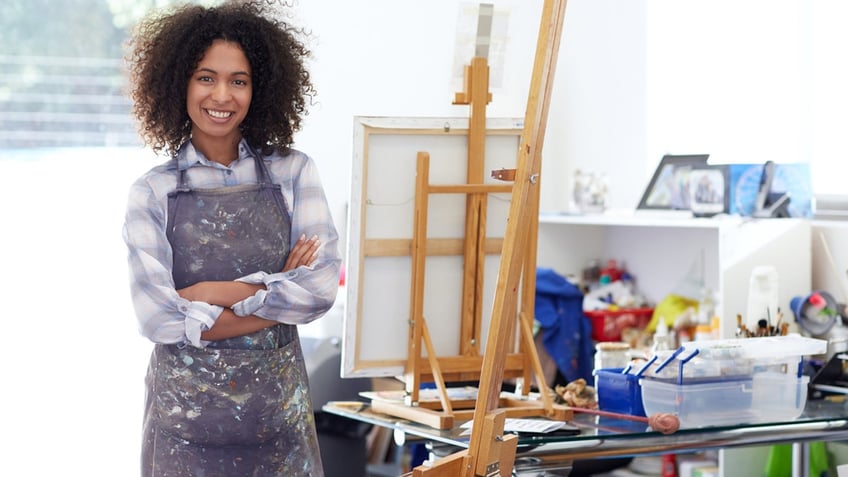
point(241, 406)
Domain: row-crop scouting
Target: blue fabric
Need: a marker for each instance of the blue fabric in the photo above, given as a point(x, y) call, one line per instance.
point(566, 331)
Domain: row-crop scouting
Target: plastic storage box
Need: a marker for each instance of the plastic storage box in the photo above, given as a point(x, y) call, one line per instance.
point(618, 392)
point(766, 397)
point(720, 382)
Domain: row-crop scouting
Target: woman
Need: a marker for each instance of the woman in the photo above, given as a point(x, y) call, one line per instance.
point(231, 244)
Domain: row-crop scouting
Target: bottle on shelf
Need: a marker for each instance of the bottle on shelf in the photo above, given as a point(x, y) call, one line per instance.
point(706, 311)
point(662, 338)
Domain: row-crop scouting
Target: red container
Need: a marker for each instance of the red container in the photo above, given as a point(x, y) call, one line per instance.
point(669, 465)
point(608, 324)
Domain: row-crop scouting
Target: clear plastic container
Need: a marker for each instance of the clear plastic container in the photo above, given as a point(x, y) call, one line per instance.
point(721, 382)
point(765, 397)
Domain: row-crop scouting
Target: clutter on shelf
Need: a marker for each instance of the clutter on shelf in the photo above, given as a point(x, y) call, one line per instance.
point(765, 327)
point(616, 309)
point(816, 313)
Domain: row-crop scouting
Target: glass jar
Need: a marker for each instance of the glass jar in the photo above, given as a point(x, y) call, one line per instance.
point(612, 355)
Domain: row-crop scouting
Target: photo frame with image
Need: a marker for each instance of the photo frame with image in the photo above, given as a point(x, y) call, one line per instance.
point(709, 190)
point(669, 186)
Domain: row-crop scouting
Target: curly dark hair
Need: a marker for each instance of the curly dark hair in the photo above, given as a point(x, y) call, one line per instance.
point(167, 47)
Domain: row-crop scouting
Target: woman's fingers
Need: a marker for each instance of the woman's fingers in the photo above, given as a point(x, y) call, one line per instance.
point(312, 251)
point(308, 251)
point(304, 252)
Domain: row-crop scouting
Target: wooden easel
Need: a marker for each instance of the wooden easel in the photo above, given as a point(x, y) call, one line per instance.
point(490, 452)
point(466, 366)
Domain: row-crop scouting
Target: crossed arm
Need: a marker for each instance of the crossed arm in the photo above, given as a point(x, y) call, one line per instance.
point(228, 293)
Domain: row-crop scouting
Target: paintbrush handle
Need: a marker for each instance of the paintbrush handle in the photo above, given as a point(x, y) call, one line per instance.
point(615, 415)
point(662, 422)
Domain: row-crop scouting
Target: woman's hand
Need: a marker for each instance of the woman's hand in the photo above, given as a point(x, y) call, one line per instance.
point(304, 252)
point(227, 293)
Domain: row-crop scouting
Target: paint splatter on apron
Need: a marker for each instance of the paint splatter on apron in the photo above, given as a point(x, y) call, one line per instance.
point(241, 406)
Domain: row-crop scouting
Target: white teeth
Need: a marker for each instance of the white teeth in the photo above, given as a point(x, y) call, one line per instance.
point(219, 114)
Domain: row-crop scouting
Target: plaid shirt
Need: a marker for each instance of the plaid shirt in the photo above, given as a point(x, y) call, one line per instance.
point(295, 297)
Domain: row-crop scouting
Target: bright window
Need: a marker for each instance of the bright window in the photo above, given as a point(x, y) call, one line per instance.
point(68, 154)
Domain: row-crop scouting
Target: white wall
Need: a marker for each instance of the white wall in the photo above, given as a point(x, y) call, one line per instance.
point(598, 104)
point(826, 275)
point(395, 58)
point(729, 78)
point(634, 80)
point(743, 81)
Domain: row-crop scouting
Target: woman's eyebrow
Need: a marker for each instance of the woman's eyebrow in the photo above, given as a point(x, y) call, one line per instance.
point(234, 73)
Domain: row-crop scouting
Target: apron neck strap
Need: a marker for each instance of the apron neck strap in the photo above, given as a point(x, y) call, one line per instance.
point(182, 184)
point(262, 174)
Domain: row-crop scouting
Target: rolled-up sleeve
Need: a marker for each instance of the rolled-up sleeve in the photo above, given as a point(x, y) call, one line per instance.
point(304, 294)
point(163, 316)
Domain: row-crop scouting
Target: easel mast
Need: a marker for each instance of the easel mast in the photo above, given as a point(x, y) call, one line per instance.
point(477, 95)
point(490, 452)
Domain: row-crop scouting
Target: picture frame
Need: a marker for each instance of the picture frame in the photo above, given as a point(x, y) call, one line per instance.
point(668, 188)
point(709, 190)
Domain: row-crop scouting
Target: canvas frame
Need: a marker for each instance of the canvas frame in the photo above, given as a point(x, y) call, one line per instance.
point(380, 229)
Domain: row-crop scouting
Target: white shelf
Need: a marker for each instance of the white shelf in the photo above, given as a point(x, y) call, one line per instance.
point(638, 218)
point(661, 250)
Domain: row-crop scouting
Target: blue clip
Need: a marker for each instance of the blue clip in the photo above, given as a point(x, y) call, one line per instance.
point(682, 362)
point(646, 365)
point(669, 359)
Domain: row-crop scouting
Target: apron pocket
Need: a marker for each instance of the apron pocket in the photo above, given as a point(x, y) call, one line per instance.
point(221, 397)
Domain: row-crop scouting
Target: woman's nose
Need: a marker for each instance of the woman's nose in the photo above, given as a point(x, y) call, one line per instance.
point(221, 92)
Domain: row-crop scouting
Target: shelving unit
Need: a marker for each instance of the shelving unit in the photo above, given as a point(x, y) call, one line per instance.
point(661, 250)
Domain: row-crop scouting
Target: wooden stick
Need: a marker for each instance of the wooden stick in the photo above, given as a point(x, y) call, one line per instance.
point(434, 365)
point(475, 212)
point(419, 256)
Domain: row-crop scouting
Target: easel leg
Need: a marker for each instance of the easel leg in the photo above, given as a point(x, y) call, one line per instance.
point(496, 457)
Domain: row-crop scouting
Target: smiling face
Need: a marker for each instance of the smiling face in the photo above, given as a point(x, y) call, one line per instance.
point(218, 98)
